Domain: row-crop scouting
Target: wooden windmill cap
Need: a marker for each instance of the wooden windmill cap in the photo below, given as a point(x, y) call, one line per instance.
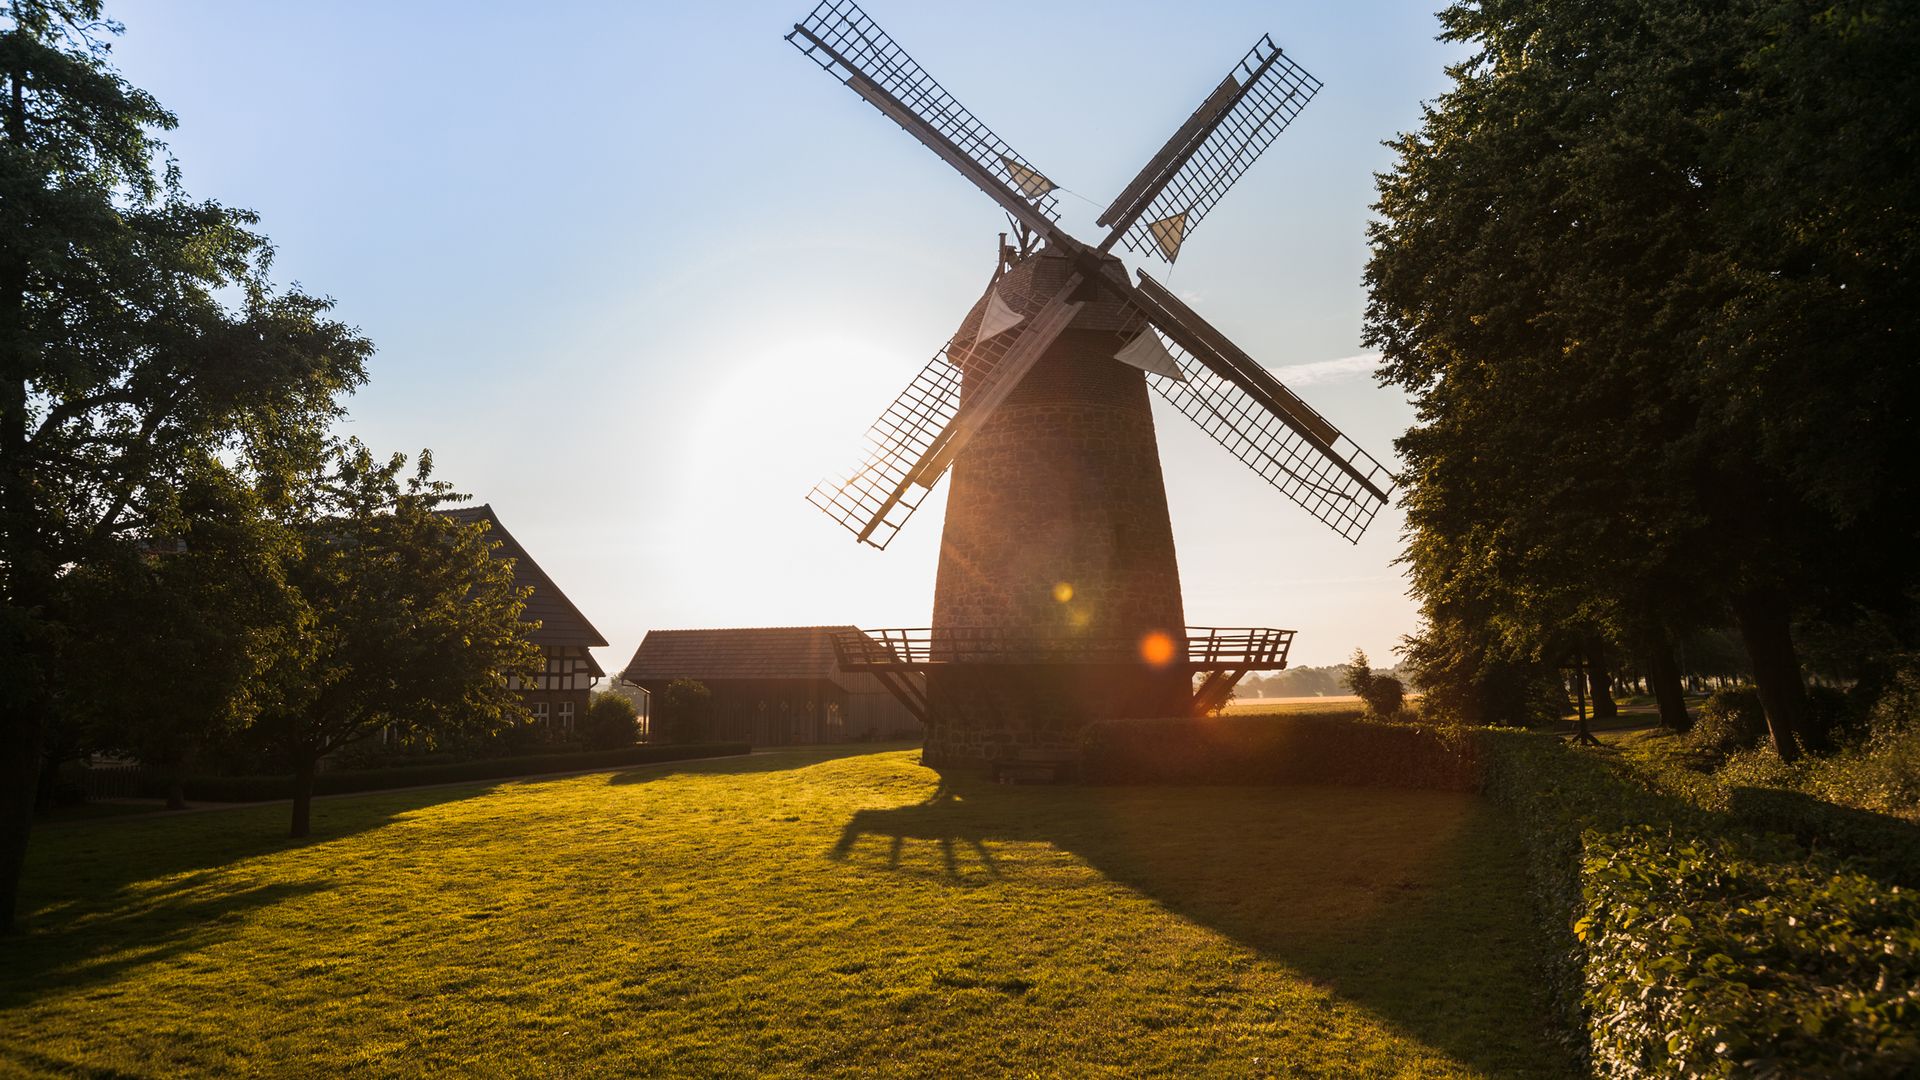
point(1030, 283)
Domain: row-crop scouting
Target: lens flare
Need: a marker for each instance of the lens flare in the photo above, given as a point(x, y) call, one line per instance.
point(1063, 591)
point(1157, 649)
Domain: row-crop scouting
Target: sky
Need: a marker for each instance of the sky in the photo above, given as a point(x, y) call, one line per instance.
point(640, 275)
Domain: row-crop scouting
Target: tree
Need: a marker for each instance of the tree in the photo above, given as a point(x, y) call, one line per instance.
point(1357, 675)
point(1638, 267)
point(185, 626)
point(409, 620)
point(139, 334)
point(683, 712)
point(1383, 694)
point(611, 723)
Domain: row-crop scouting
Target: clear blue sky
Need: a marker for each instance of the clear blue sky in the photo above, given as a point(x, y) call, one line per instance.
point(639, 274)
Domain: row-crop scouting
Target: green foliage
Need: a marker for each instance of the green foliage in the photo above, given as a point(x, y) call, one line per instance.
point(1636, 267)
point(1465, 676)
point(683, 712)
point(1682, 928)
point(1731, 720)
point(1385, 697)
point(140, 337)
point(1863, 801)
point(182, 631)
point(344, 781)
point(410, 622)
point(1278, 749)
point(1357, 675)
point(611, 722)
point(1714, 957)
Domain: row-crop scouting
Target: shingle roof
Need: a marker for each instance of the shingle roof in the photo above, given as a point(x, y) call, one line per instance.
point(763, 652)
point(560, 622)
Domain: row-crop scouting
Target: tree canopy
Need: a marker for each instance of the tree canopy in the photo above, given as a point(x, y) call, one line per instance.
point(140, 337)
point(1646, 271)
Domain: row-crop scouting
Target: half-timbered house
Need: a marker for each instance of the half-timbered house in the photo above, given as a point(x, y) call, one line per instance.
point(558, 697)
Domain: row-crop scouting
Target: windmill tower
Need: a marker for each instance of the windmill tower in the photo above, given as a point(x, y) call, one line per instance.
point(1058, 596)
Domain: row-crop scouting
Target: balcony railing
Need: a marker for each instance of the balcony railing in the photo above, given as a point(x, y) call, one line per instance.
point(1200, 648)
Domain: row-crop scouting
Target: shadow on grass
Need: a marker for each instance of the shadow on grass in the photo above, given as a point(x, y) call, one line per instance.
point(1409, 904)
point(760, 761)
point(102, 898)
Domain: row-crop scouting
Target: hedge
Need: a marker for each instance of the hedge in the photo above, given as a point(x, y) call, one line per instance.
point(265, 788)
point(1728, 957)
point(1278, 749)
point(1689, 943)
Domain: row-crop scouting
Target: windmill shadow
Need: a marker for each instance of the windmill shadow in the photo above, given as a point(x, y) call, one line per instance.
point(946, 820)
point(1385, 910)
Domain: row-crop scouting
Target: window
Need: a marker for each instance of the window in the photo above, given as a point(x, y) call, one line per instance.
point(566, 716)
point(539, 712)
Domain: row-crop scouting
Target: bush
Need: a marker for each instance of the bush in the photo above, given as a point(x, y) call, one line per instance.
point(1731, 720)
point(611, 723)
point(1709, 958)
point(1278, 749)
point(683, 713)
point(264, 788)
point(1705, 947)
point(1385, 697)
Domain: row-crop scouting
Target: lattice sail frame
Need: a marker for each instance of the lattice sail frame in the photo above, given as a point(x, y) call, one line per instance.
point(1273, 90)
point(912, 444)
point(1275, 451)
point(866, 51)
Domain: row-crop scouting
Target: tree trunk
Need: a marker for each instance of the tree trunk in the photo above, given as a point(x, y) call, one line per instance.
point(1600, 688)
point(1581, 732)
point(1767, 632)
point(303, 797)
point(20, 732)
point(1664, 675)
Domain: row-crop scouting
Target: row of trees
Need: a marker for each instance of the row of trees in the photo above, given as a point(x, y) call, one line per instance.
point(183, 549)
point(1646, 272)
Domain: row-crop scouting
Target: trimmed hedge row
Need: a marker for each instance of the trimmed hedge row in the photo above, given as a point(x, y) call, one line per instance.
point(1279, 749)
point(1729, 957)
point(265, 788)
point(1689, 944)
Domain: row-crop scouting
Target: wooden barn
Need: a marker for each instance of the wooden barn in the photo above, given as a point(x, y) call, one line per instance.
point(558, 698)
point(773, 686)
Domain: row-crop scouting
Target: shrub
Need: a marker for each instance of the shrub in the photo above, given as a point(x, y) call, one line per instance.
point(1278, 749)
point(683, 712)
point(1731, 720)
point(264, 788)
point(1704, 947)
point(1385, 697)
point(1715, 957)
point(611, 723)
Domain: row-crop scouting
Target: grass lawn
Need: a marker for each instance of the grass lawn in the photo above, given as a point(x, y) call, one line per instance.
point(785, 914)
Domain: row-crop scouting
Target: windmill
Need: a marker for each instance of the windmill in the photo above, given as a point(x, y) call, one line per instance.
point(1058, 596)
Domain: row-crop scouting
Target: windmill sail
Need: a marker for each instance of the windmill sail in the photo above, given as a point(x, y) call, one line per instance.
point(916, 438)
point(1245, 409)
point(1228, 132)
point(849, 45)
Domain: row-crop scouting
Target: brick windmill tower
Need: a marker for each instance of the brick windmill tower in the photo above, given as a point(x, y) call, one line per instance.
point(1058, 596)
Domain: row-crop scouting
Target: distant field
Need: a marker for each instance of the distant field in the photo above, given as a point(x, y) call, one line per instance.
point(1331, 703)
point(785, 914)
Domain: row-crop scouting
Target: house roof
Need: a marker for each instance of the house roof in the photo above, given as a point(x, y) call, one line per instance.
point(762, 652)
point(560, 622)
